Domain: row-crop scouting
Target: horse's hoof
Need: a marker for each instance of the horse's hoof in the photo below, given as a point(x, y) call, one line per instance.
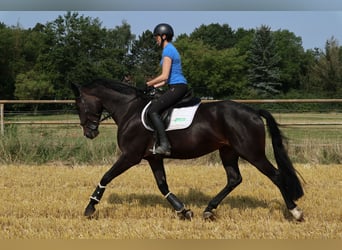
point(209, 215)
point(297, 213)
point(185, 214)
point(189, 214)
point(90, 210)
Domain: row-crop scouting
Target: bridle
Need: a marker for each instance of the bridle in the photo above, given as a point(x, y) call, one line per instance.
point(109, 115)
point(93, 124)
point(89, 123)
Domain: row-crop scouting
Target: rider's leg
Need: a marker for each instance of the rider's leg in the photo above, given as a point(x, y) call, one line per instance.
point(166, 100)
point(164, 146)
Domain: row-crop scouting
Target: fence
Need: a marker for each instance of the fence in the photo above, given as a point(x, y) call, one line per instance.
point(4, 102)
point(2, 109)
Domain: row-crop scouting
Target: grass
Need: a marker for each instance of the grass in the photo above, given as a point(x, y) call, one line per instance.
point(47, 174)
point(47, 202)
point(43, 144)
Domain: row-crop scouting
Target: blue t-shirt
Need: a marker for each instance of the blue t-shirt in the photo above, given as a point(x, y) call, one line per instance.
point(176, 73)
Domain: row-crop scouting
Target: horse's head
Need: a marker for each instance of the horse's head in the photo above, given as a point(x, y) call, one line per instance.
point(89, 111)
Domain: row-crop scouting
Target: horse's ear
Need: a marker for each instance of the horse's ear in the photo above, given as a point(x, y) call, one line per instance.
point(76, 89)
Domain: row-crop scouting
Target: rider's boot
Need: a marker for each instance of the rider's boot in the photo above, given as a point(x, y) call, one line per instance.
point(164, 146)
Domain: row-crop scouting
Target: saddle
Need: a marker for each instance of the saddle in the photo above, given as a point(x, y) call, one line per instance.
point(178, 116)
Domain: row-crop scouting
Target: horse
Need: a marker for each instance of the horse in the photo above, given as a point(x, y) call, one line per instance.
point(235, 129)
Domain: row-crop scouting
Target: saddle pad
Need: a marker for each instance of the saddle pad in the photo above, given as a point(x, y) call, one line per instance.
point(181, 118)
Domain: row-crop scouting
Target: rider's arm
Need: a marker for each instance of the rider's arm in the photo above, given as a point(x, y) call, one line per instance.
point(159, 84)
point(164, 76)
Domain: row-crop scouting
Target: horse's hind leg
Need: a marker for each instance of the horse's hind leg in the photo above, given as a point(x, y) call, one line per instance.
point(158, 170)
point(230, 162)
point(266, 167)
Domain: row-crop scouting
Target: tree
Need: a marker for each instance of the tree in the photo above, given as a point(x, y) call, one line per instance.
point(215, 35)
point(33, 86)
point(194, 64)
point(292, 62)
point(33, 46)
point(243, 39)
point(263, 73)
point(78, 50)
point(210, 72)
point(118, 43)
point(327, 71)
point(144, 58)
point(10, 59)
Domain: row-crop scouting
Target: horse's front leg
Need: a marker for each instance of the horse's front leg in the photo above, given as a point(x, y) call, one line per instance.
point(120, 166)
point(158, 170)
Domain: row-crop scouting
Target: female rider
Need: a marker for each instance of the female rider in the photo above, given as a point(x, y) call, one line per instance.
point(173, 76)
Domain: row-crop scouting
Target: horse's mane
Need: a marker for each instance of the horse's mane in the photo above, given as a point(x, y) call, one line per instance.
point(115, 85)
point(123, 88)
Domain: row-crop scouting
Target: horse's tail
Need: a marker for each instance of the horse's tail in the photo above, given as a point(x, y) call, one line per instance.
point(286, 169)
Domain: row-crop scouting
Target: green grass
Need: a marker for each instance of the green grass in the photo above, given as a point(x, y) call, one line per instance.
point(40, 144)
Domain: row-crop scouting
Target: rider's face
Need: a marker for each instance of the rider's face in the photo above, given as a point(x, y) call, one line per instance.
point(158, 40)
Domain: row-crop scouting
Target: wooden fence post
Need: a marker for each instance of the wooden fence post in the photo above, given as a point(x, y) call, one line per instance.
point(2, 107)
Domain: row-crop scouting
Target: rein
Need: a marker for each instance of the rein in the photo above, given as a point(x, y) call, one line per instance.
point(148, 93)
point(106, 117)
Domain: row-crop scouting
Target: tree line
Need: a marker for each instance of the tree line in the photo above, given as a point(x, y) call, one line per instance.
point(219, 62)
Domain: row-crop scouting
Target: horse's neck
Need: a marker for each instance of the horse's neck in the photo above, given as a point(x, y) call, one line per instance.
point(123, 107)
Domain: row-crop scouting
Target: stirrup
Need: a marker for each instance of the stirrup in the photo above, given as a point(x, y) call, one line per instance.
point(163, 151)
point(160, 150)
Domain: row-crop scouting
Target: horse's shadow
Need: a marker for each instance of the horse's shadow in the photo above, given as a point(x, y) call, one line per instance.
point(192, 198)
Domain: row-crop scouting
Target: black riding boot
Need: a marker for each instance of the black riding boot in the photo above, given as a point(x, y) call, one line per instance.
point(164, 145)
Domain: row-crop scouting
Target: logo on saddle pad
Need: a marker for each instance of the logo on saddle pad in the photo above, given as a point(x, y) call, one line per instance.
point(174, 118)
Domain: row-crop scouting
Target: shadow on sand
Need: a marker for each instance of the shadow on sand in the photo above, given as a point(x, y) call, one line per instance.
point(192, 198)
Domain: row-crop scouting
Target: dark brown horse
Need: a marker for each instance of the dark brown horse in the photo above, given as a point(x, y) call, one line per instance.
point(234, 129)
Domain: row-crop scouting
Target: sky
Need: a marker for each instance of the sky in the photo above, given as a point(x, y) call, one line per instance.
point(315, 27)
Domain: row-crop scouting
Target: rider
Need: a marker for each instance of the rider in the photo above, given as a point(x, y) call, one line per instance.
point(173, 76)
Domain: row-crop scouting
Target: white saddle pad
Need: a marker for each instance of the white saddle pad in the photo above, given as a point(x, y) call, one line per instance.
point(181, 118)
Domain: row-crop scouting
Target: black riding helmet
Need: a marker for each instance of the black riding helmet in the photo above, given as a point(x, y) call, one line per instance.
point(163, 29)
